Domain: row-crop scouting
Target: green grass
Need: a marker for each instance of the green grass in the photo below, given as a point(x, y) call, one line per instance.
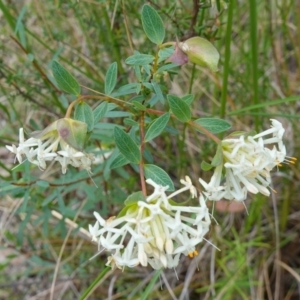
point(258, 79)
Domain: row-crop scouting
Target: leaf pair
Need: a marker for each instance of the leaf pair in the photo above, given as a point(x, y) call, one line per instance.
point(130, 152)
point(69, 84)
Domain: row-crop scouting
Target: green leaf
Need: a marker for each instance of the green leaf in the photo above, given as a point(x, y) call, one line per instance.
point(239, 133)
point(84, 113)
point(159, 176)
point(179, 108)
point(188, 99)
point(139, 59)
point(117, 114)
point(218, 158)
point(153, 25)
point(134, 198)
point(131, 122)
point(127, 146)
point(165, 53)
point(205, 166)
point(168, 67)
point(158, 91)
point(147, 292)
point(64, 79)
point(100, 111)
point(94, 284)
point(119, 161)
point(213, 125)
point(126, 89)
point(111, 78)
point(157, 127)
point(139, 106)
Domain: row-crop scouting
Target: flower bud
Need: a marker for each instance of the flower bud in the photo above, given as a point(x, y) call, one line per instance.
point(178, 57)
point(201, 52)
point(71, 131)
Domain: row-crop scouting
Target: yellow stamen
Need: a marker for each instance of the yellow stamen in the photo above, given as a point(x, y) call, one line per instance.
point(192, 254)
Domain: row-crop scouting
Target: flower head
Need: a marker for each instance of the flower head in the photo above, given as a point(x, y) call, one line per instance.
point(61, 141)
point(199, 51)
point(247, 162)
point(152, 230)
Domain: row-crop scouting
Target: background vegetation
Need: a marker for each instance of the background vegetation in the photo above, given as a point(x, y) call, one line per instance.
point(258, 79)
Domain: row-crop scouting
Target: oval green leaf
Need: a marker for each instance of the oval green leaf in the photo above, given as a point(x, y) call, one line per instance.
point(64, 79)
point(153, 25)
point(213, 125)
point(111, 78)
point(179, 108)
point(159, 176)
point(127, 146)
point(139, 59)
point(84, 113)
point(157, 127)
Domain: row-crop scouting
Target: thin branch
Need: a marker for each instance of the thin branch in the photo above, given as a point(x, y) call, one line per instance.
point(142, 137)
point(36, 65)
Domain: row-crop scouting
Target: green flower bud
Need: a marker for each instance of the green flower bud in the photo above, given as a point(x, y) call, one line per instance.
point(201, 52)
point(72, 132)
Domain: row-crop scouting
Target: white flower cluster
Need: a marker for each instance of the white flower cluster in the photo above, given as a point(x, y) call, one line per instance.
point(247, 163)
point(153, 231)
point(39, 151)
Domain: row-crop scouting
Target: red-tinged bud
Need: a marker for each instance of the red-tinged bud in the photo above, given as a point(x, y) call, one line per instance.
point(178, 57)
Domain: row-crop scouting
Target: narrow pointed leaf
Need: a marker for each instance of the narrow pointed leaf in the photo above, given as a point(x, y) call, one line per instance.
point(127, 146)
point(218, 158)
point(158, 91)
point(153, 25)
point(157, 127)
point(119, 161)
point(159, 176)
point(100, 111)
point(111, 78)
point(65, 80)
point(179, 108)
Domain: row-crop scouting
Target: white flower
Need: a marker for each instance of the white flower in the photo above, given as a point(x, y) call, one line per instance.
point(188, 183)
point(51, 147)
point(154, 230)
point(247, 163)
